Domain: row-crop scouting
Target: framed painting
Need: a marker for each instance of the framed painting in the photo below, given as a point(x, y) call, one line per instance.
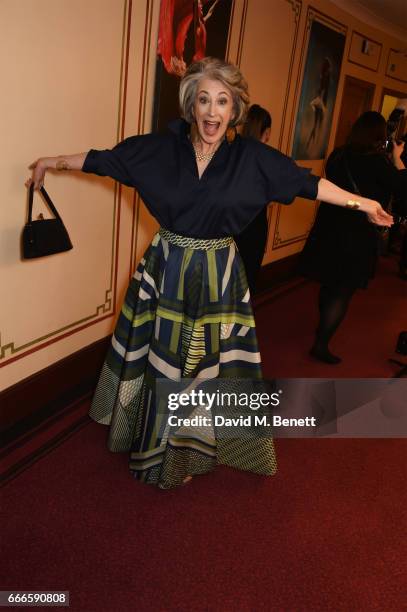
point(318, 92)
point(188, 30)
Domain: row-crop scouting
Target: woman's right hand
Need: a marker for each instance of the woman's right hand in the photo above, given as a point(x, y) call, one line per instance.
point(39, 167)
point(376, 214)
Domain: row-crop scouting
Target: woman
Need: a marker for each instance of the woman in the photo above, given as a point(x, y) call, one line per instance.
point(253, 240)
point(187, 311)
point(319, 103)
point(341, 250)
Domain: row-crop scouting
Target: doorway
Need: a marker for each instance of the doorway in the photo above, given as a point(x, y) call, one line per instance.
point(388, 104)
point(357, 98)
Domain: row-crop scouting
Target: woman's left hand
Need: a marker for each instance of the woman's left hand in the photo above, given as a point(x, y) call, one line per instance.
point(377, 215)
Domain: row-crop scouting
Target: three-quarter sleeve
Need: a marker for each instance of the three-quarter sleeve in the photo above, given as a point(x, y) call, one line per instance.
point(283, 179)
point(123, 163)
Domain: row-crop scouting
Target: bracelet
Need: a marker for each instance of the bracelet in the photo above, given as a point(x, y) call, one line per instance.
point(353, 204)
point(62, 164)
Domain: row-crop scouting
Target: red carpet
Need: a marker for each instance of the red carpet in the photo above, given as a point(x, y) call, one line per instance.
point(326, 533)
point(365, 340)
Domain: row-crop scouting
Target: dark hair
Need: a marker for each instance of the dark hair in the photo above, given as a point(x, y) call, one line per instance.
point(257, 121)
point(368, 133)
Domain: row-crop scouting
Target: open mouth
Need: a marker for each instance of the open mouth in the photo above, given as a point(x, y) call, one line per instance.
point(211, 127)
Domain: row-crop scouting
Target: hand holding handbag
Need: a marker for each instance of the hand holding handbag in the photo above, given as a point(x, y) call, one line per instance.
point(44, 236)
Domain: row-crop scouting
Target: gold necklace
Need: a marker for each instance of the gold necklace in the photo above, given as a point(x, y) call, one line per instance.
point(206, 157)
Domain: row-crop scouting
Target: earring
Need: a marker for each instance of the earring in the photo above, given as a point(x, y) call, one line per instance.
point(230, 134)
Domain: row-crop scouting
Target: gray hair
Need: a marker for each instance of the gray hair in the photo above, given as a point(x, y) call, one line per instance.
point(218, 70)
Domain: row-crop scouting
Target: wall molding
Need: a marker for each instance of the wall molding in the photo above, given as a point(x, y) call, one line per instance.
point(241, 34)
point(30, 401)
point(277, 273)
point(101, 311)
point(280, 243)
point(296, 6)
point(388, 74)
point(355, 32)
point(140, 129)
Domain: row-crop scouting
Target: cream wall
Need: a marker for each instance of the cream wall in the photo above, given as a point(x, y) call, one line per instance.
point(75, 74)
point(78, 74)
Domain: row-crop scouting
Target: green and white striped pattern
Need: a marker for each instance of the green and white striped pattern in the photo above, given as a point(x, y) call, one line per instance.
point(186, 314)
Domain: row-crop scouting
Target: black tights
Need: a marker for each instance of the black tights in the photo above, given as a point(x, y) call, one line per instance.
point(333, 305)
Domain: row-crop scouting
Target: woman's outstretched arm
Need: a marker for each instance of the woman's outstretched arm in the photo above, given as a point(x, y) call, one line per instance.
point(61, 162)
point(331, 193)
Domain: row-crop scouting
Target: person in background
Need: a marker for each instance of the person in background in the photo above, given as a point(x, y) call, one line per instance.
point(342, 248)
point(397, 237)
point(399, 205)
point(253, 240)
point(403, 252)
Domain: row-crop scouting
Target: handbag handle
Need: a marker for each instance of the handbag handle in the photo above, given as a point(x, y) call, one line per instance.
point(46, 198)
point(350, 177)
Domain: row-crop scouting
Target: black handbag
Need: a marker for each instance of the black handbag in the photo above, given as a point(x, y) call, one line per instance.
point(44, 236)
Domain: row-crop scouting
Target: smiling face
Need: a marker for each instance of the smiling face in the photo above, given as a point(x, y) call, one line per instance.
point(213, 110)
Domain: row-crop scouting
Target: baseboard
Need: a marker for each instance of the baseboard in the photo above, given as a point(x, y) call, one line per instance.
point(276, 273)
point(50, 391)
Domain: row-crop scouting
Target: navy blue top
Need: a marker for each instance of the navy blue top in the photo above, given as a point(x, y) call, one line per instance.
point(241, 179)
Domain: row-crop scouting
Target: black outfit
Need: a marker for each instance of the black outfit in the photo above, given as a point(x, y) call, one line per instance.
point(342, 248)
point(241, 179)
point(252, 244)
point(187, 311)
point(399, 209)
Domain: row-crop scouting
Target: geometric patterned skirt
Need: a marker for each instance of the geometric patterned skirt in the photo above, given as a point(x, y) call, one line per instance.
point(186, 314)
